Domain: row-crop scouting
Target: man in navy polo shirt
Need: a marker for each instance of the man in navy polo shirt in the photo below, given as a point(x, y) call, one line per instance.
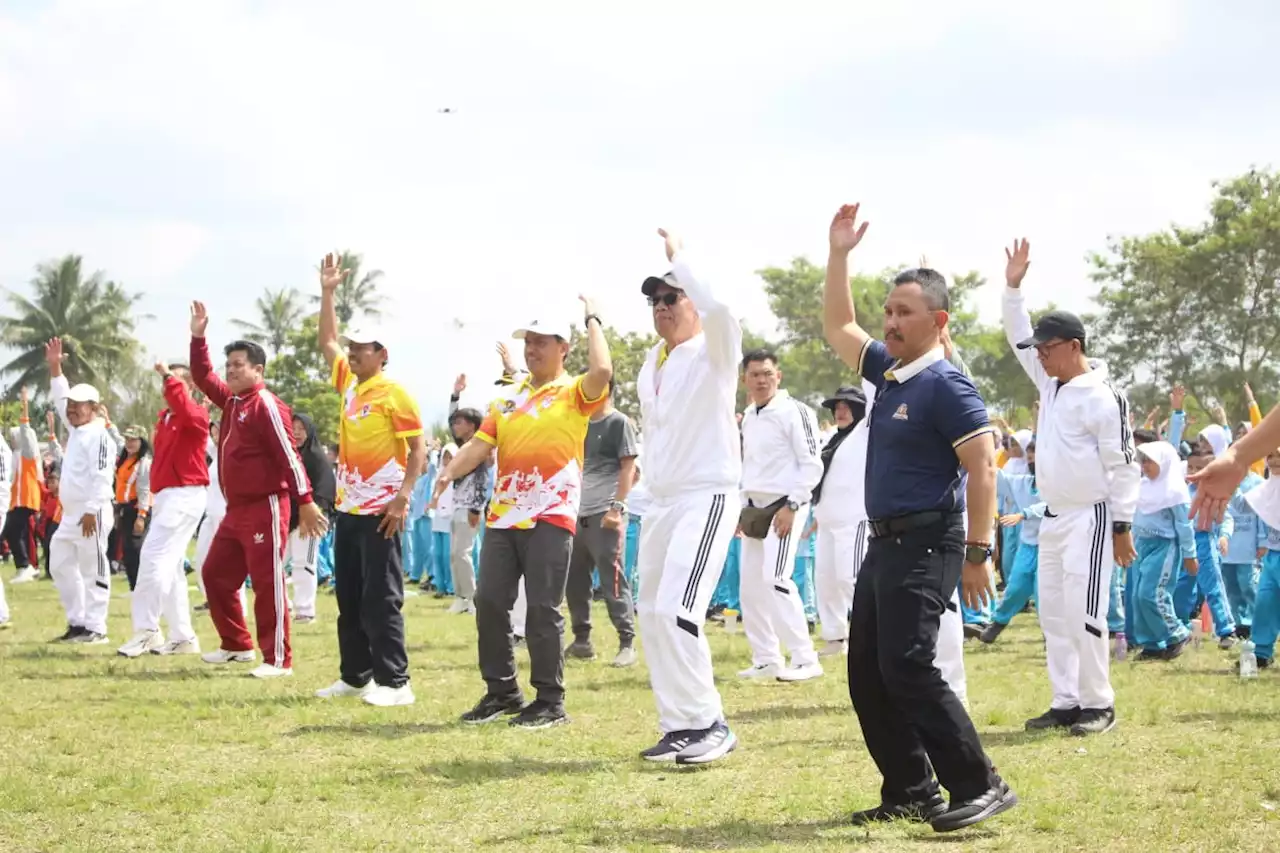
point(928, 420)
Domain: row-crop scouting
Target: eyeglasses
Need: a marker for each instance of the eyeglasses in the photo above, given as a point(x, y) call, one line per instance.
point(1043, 350)
point(668, 299)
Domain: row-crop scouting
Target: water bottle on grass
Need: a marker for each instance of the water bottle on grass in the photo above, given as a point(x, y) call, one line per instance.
point(1248, 660)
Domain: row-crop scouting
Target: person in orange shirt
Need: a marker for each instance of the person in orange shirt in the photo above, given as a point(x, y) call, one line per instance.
point(539, 428)
point(50, 518)
point(132, 500)
point(24, 499)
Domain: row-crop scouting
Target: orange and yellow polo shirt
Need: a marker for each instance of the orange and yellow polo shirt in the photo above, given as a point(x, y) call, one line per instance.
point(378, 418)
point(540, 434)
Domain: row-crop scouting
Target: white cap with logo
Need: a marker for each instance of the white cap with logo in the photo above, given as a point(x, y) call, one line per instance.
point(559, 329)
point(364, 335)
point(83, 393)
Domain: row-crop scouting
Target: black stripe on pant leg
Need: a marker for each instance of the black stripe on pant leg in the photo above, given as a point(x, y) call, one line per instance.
point(101, 555)
point(1097, 632)
point(780, 565)
point(1093, 593)
point(704, 551)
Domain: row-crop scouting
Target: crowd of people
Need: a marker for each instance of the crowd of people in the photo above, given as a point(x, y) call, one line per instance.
point(875, 527)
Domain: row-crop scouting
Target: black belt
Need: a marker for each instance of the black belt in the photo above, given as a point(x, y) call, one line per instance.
point(906, 523)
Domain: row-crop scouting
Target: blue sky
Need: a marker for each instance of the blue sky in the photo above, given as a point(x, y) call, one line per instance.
point(210, 150)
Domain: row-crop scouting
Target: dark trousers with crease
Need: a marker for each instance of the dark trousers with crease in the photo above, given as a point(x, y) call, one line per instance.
point(912, 722)
point(597, 547)
point(369, 584)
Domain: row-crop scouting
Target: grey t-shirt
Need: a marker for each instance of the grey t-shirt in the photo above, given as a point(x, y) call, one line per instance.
point(609, 440)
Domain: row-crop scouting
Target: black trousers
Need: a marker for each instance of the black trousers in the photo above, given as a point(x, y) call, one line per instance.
point(50, 528)
point(597, 547)
point(128, 545)
point(20, 533)
point(369, 584)
point(541, 556)
point(912, 722)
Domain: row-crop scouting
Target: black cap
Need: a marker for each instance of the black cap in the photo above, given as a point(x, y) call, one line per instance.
point(850, 394)
point(653, 282)
point(1055, 325)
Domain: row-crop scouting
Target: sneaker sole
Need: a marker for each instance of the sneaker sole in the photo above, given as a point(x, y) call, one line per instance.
point(665, 758)
point(1085, 733)
point(285, 674)
point(492, 718)
point(795, 680)
point(730, 744)
point(1000, 806)
point(545, 724)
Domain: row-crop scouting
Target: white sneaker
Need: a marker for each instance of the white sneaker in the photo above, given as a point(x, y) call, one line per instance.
point(627, 656)
point(141, 643)
point(341, 690)
point(267, 670)
point(179, 647)
point(224, 656)
point(462, 605)
point(803, 672)
point(766, 670)
point(26, 575)
point(833, 648)
point(389, 697)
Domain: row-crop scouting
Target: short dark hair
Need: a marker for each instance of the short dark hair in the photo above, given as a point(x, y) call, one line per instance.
point(1031, 445)
point(255, 353)
point(932, 284)
point(760, 354)
point(1145, 436)
point(613, 385)
point(471, 416)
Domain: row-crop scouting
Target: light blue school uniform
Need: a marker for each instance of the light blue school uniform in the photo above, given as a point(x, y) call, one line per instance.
point(1240, 568)
point(1018, 493)
point(1206, 585)
point(727, 591)
point(1163, 540)
point(803, 577)
point(417, 533)
point(1266, 613)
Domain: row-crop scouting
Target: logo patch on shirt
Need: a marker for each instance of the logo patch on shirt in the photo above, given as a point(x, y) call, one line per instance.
point(244, 416)
point(901, 414)
point(508, 406)
point(364, 411)
point(258, 539)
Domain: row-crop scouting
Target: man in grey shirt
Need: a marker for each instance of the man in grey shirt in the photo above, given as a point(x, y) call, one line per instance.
point(600, 542)
point(470, 497)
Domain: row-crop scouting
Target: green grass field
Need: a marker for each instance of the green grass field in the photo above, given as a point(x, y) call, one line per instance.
point(102, 754)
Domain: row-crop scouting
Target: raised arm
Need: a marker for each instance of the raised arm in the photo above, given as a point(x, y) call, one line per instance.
point(599, 362)
point(202, 372)
point(58, 385)
point(839, 318)
point(331, 276)
point(1017, 322)
point(723, 331)
point(1177, 415)
point(455, 399)
point(184, 409)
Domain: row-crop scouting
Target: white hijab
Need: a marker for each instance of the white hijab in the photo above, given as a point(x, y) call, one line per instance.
point(1217, 436)
point(1170, 488)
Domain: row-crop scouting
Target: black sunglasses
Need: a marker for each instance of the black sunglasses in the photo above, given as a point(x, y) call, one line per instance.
point(668, 299)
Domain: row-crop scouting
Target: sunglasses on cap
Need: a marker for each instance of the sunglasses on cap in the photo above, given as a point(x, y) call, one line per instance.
point(668, 299)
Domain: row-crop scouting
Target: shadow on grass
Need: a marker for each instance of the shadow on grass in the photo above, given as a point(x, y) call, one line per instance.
point(461, 772)
point(1016, 738)
point(120, 675)
point(430, 648)
point(1250, 716)
point(387, 731)
point(792, 712)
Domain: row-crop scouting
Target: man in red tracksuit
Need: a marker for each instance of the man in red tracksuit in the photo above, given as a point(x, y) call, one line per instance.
point(259, 471)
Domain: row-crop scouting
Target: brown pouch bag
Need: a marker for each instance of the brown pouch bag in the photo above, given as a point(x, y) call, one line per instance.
point(755, 521)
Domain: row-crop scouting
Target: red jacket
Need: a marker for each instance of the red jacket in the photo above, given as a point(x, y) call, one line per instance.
point(182, 438)
point(256, 456)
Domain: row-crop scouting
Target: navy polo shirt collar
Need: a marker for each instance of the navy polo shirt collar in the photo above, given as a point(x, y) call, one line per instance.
point(902, 372)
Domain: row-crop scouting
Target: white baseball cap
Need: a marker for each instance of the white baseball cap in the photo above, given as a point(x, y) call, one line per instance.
point(83, 393)
point(364, 335)
point(559, 329)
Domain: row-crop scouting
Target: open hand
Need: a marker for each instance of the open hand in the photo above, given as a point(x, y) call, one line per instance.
point(312, 523)
point(976, 586)
point(673, 243)
point(332, 273)
point(162, 368)
point(393, 517)
point(845, 230)
point(1011, 520)
point(89, 525)
point(459, 384)
point(1017, 262)
point(199, 320)
point(1216, 485)
point(1122, 549)
point(54, 355)
point(1176, 397)
point(783, 520)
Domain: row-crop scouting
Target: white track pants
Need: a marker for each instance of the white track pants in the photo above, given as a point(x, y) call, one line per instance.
point(1073, 594)
point(949, 655)
point(683, 546)
point(771, 607)
point(4, 605)
point(839, 556)
point(80, 570)
point(207, 531)
point(162, 582)
point(302, 562)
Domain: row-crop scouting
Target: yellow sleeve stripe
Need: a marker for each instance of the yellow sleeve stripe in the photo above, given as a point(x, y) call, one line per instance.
point(977, 432)
point(589, 400)
point(486, 438)
point(409, 433)
point(862, 354)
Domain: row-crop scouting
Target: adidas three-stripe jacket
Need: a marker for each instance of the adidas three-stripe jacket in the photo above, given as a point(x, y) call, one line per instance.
point(780, 450)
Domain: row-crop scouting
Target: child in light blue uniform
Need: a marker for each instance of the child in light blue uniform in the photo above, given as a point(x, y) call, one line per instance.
point(1266, 614)
point(1016, 465)
point(975, 621)
point(726, 594)
point(1019, 493)
point(803, 577)
point(417, 530)
point(1206, 584)
point(1164, 539)
point(1240, 566)
point(441, 572)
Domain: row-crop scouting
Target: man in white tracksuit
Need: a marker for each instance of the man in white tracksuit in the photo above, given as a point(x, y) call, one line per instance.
point(693, 465)
point(78, 551)
point(1088, 475)
point(780, 468)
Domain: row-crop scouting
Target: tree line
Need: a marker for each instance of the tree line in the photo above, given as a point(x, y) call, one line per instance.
point(1196, 305)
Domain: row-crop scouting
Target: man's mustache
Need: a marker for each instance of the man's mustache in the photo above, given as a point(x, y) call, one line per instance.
point(892, 336)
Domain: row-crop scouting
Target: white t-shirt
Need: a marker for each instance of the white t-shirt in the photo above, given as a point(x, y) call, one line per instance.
point(442, 521)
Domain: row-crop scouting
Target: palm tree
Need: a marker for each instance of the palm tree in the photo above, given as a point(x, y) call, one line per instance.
point(279, 313)
point(356, 294)
point(94, 317)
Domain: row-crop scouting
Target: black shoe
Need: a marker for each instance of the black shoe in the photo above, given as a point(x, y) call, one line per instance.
point(1054, 718)
point(1175, 651)
point(1094, 721)
point(580, 649)
point(491, 708)
point(1244, 631)
point(70, 634)
point(974, 630)
point(540, 715)
point(1151, 654)
point(993, 630)
point(671, 745)
point(922, 812)
point(995, 800)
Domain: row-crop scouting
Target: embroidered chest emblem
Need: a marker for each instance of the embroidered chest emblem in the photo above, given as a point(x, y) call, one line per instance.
point(244, 416)
point(364, 410)
point(901, 413)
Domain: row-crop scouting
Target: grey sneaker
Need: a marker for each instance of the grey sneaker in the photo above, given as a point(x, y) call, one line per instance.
point(710, 745)
point(627, 656)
